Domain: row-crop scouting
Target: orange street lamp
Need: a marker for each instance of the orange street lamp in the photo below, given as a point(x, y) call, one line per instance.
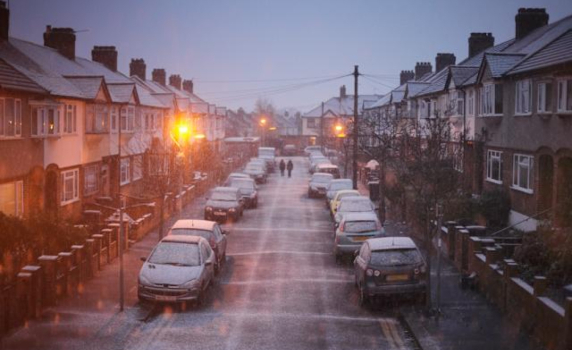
point(183, 129)
point(339, 128)
point(263, 121)
point(272, 128)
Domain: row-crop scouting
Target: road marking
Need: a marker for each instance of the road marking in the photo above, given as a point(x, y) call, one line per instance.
point(283, 229)
point(291, 252)
point(396, 335)
point(387, 333)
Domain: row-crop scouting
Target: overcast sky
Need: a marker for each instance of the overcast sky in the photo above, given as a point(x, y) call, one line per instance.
point(238, 50)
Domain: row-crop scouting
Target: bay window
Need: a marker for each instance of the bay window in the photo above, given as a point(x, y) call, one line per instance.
point(523, 97)
point(10, 117)
point(564, 102)
point(70, 120)
point(127, 118)
point(137, 167)
point(46, 120)
point(491, 99)
point(471, 102)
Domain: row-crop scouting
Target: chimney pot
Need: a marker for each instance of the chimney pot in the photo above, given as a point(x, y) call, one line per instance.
point(188, 86)
point(443, 60)
point(405, 76)
point(4, 21)
point(529, 19)
point(175, 81)
point(422, 69)
point(159, 76)
point(138, 68)
point(106, 55)
point(479, 42)
point(343, 92)
point(61, 39)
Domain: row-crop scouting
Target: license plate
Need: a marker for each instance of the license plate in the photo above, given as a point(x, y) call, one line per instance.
point(360, 238)
point(220, 213)
point(165, 298)
point(396, 278)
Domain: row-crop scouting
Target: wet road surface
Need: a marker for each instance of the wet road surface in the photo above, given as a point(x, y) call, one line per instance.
point(280, 289)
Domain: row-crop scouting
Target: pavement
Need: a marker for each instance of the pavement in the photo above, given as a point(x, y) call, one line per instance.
point(280, 289)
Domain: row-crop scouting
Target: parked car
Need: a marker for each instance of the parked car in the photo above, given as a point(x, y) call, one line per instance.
point(318, 184)
point(311, 149)
point(248, 191)
point(353, 230)
point(234, 176)
point(390, 266)
point(209, 230)
point(328, 168)
point(179, 269)
point(315, 163)
point(335, 186)
point(359, 204)
point(256, 172)
point(269, 155)
point(224, 203)
point(260, 162)
point(289, 150)
point(338, 197)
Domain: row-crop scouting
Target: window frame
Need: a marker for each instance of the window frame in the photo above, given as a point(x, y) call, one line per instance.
point(73, 175)
point(516, 173)
point(562, 90)
point(523, 94)
point(491, 156)
point(16, 118)
point(471, 102)
point(69, 122)
point(18, 197)
point(489, 107)
point(137, 167)
point(544, 98)
point(125, 169)
point(90, 190)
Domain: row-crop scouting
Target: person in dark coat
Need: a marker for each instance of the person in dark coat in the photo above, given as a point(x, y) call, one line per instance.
point(282, 167)
point(290, 166)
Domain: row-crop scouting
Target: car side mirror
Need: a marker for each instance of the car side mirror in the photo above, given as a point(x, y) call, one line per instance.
point(143, 258)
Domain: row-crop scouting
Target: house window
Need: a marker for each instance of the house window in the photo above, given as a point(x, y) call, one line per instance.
point(70, 120)
point(127, 118)
point(471, 103)
point(70, 186)
point(491, 99)
point(494, 166)
point(113, 116)
point(311, 122)
point(12, 198)
point(544, 98)
point(137, 167)
point(565, 96)
point(522, 172)
point(460, 104)
point(97, 119)
point(125, 171)
point(46, 121)
point(523, 97)
point(10, 117)
point(91, 179)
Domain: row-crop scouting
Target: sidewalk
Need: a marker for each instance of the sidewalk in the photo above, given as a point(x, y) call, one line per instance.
point(468, 321)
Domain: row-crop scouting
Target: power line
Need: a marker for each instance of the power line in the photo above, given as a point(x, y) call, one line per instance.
point(374, 80)
point(261, 80)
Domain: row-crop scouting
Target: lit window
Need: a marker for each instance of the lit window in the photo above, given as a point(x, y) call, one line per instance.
point(10, 117)
point(70, 186)
point(565, 96)
point(494, 166)
point(91, 179)
point(544, 98)
point(12, 198)
point(523, 97)
point(522, 172)
point(125, 171)
point(46, 121)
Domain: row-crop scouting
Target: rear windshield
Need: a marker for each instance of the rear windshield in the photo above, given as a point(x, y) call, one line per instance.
point(242, 183)
point(398, 257)
point(176, 253)
point(223, 196)
point(191, 232)
point(336, 186)
point(348, 194)
point(360, 226)
point(355, 206)
point(322, 178)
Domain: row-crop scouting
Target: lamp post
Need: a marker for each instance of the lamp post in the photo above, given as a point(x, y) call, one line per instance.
point(263, 127)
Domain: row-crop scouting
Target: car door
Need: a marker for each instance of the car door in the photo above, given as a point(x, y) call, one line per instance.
point(360, 263)
point(220, 242)
point(207, 255)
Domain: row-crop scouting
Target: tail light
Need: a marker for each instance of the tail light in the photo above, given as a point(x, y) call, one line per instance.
point(341, 226)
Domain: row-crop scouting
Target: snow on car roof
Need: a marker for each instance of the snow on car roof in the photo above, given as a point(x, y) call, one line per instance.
point(360, 216)
point(182, 239)
point(198, 224)
point(387, 243)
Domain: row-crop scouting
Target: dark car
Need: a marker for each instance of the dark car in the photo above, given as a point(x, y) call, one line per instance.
point(248, 191)
point(209, 230)
point(318, 184)
point(225, 203)
point(390, 266)
point(289, 150)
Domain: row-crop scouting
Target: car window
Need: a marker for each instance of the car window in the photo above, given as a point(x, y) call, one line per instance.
point(349, 194)
point(175, 253)
point(396, 257)
point(205, 252)
point(336, 186)
point(355, 206)
point(322, 178)
point(223, 196)
point(191, 232)
point(360, 226)
point(242, 183)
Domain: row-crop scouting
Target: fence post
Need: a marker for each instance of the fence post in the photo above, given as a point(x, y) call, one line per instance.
point(36, 272)
point(23, 297)
point(91, 263)
point(65, 261)
point(80, 261)
point(98, 247)
point(451, 238)
point(49, 269)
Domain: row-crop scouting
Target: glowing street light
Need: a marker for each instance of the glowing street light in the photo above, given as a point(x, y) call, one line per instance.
point(272, 128)
point(263, 121)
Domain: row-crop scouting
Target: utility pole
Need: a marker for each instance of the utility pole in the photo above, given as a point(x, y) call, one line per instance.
point(322, 129)
point(439, 211)
point(356, 128)
point(121, 232)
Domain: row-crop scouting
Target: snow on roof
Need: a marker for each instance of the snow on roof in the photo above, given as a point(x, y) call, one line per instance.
point(500, 63)
point(89, 86)
point(147, 99)
point(200, 107)
point(122, 93)
point(460, 74)
point(414, 88)
point(11, 79)
point(385, 100)
point(341, 106)
point(437, 83)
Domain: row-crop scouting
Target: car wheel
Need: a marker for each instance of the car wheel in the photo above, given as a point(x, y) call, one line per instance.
point(363, 299)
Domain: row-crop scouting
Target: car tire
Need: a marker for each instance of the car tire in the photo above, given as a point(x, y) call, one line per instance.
point(363, 298)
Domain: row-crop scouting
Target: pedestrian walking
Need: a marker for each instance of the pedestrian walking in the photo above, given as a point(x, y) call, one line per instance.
point(290, 166)
point(282, 167)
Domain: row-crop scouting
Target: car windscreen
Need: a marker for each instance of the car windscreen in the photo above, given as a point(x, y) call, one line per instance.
point(360, 226)
point(322, 178)
point(336, 186)
point(175, 253)
point(242, 183)
point(191, 232)
point(395, 257)
point(348, 194)
point(223, 196)
point(355, 206)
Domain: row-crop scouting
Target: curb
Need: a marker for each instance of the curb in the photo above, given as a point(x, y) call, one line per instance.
point(419, 335)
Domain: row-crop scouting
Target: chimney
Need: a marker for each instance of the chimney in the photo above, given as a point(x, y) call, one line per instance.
point(444, 60)
point(4, 21)
point(138, 68)
point(405, 76)
point(106, 55)
point(529, 19)
point(479, 42)
point(343, 92)
point(160, 76)
point(188, 86)
point(175, 81)
point(421, 69)
point(61, 39)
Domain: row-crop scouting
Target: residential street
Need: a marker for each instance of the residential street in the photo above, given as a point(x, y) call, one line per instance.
point(280, 289)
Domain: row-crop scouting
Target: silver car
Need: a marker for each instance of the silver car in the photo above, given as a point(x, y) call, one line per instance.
point(353, 230)
point(179, 269)
point(318, 184)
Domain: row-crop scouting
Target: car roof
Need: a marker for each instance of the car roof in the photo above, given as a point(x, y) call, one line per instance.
point(361, 216)
point(327, 166)
point(225, 189)
point(322, 174)
point(388, 243)
point(248, 179)
point(239, 175)
point(359, 198)
point(348, 191)
point(197, 224)
point(183, 239)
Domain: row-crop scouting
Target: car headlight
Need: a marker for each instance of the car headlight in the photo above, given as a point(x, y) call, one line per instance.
point(190, 284)
point(209, 209)
point(144, 281)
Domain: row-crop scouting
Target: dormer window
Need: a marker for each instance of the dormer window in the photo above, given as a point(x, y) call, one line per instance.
point(491, 100)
